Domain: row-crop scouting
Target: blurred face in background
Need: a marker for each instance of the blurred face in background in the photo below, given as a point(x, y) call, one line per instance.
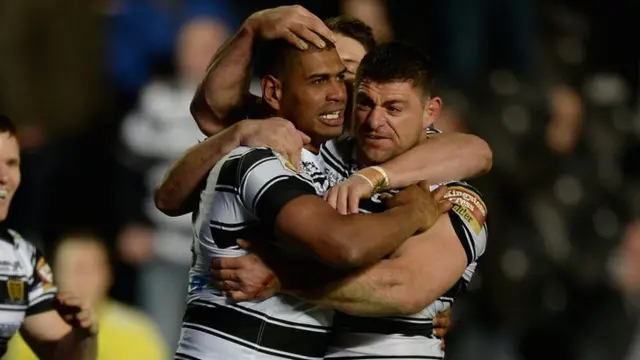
point(10, 175)
point(198, 41)
point(388, 119)
point(351, 52)
point(82, 267)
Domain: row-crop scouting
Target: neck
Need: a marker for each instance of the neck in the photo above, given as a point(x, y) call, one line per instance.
point(313, 147)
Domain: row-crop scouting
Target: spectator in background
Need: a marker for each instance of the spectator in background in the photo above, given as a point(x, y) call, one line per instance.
point(51, 84)
point(143, 35)
point(155, 134)
point(81, 265)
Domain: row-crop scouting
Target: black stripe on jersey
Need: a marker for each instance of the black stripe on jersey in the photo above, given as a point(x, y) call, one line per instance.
point(266, 186)
point(249, 328)
point(227, 189)
point(226, 239)
point(252, 159)
point(463, 235)
point(260, 313)
point(365, 357)
point(183, 356)
point(41, 307)
point(335, 163)
point(354, 324)
point(228, 175)
point(277, 196)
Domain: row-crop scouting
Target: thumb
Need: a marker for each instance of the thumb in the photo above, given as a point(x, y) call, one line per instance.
point(305, 139)
point(244, 244)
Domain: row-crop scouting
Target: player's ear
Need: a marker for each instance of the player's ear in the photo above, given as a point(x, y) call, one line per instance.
point(271, 91)
point(431, 111)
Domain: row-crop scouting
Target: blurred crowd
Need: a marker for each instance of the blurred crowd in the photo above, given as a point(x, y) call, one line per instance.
point(100, 92)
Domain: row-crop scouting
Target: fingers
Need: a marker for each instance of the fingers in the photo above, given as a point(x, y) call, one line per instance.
point(304, 137)
point(439, 332)
point(443, 346)
point(354, 204)
point(424, 185)
point(226, 285)
point(332, 198)
point(244, 244)
point(224, 275)
point(240, 296)
point(226, 263)
point(386, 196)
point(295, 40)
point(444, 206)
point(343, 194)
point(439, 193)
point(316, 25)
point(303, 32)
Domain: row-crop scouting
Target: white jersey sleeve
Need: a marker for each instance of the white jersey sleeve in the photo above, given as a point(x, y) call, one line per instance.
point(469, 218)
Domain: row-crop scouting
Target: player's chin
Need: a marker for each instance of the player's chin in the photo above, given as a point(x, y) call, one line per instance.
point(330, 132)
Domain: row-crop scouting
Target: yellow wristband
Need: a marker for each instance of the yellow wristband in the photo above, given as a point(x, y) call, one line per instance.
point(384, 184)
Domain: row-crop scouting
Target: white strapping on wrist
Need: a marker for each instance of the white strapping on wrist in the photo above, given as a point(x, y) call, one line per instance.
point(366, 178)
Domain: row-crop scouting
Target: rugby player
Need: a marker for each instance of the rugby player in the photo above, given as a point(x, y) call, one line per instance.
point(257, 191)
point(224, 97)
point(55, 326)
point(421, 277)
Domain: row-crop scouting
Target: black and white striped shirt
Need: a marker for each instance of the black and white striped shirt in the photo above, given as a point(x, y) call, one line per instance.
point(26, 284)
point(243, 196)
point(410, 337)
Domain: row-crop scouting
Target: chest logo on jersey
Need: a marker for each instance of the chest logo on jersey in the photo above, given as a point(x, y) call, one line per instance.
point(7, 266)
point(15, 290)
point(469, 206)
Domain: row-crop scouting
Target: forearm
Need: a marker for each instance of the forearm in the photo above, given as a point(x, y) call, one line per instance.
point(375, 291)
point(177, 193)
point(442, 157)
point(226, 84)
point(76, 345)
point(370, 237)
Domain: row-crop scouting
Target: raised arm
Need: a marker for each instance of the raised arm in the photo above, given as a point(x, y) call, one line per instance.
point(223, 96)
point(439, 158)
point(276, 195)
point(177, 194)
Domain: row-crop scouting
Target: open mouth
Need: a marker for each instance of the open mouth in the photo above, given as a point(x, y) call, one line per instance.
point(3, 194)
point(333, 118)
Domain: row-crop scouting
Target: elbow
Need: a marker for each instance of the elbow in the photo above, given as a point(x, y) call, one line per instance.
point(484, 152)
point(339, 253)
point(163, 202)
point(409, 302)
point(206, 119)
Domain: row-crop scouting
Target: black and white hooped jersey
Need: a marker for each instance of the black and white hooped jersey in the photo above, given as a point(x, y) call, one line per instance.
point(410, 337)
point(26, 284)
point(243, 196)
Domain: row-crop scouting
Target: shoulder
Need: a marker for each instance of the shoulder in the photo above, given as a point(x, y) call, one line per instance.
point(23, 245)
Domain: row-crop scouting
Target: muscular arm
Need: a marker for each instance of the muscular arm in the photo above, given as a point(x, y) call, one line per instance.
point(423, 269)
point(225, 88)
point(277, 196)
point(440, 158)
point(51, 338)
point(177, 193)
point(343, 240)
